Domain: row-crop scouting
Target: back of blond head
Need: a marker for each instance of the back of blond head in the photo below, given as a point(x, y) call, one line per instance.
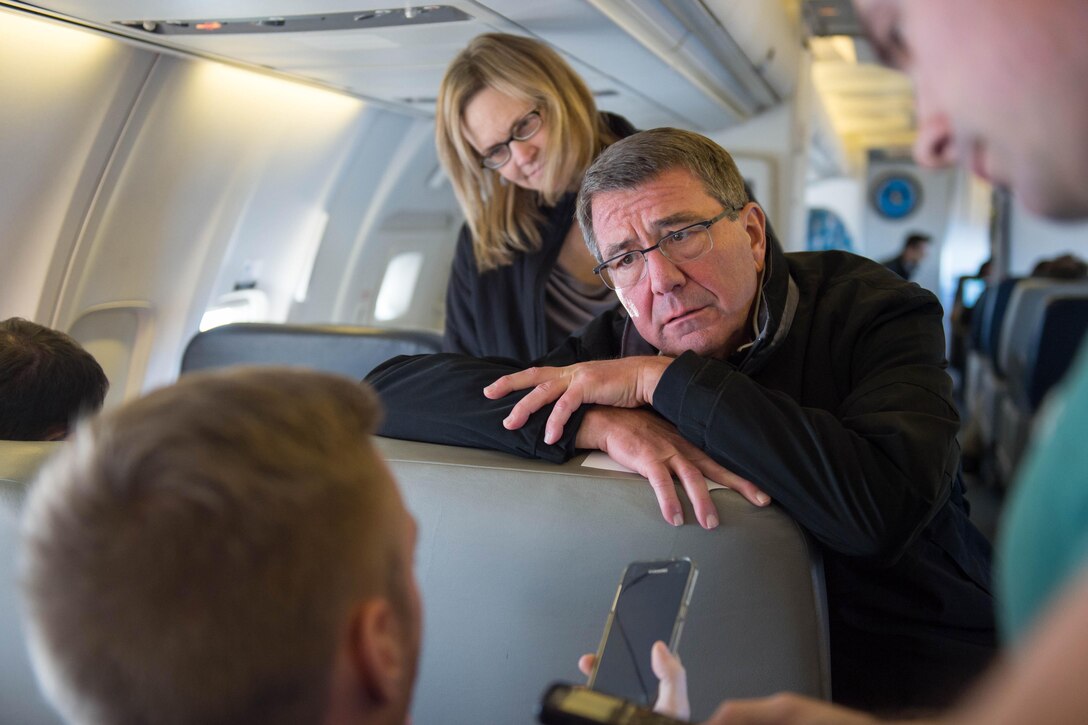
point(191, 557)
point(503, 218)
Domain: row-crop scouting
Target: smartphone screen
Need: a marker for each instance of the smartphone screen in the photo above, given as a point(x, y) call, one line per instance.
point(650, 605)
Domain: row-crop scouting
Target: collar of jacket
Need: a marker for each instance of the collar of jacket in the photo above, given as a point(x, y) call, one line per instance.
point(776, 303)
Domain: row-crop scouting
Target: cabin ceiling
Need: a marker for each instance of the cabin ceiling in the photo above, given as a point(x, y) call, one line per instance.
point(866, 105)
point(638, 74)
point(700, 64)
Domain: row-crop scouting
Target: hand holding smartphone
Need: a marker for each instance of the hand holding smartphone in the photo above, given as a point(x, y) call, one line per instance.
point(650, 605)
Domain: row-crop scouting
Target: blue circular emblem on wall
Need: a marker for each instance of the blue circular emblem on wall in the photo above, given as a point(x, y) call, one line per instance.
point(896, 196)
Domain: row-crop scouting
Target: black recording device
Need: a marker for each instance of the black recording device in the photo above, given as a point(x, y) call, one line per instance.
point(568, 705)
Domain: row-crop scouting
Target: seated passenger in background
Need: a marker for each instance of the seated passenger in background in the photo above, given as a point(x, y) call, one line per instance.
point(46, 381)
point(230, 549)
point(915, 248)
point(516, 128)
point(1067, 266)
point(817, 377)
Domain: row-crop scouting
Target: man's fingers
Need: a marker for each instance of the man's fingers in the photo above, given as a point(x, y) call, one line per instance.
point(586, 663)
point(517, 381)
point(660, 479)
point(743, 486)
point(568, 402)
point(691, 478)
point(672, 695)
point(536, 399)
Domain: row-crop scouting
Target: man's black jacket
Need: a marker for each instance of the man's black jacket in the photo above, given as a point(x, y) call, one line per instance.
point(842, 412)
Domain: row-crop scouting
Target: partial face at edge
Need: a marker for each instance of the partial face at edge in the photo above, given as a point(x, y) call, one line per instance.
point(401, 526)
point(999, 89)
point(701, 305)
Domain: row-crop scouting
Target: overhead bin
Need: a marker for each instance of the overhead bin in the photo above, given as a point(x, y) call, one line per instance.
point(703, 65)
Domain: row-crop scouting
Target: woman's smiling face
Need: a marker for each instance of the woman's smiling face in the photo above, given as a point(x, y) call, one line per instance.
point(489, 120)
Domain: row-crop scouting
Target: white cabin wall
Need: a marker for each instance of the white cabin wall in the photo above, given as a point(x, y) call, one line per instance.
point(842, 195)
point(392, 199)
point(766, 148)
point(966, 243)
point(67, 96)
point(210, 157)
point(1032, 239)
point(882, 238)
point(771, 150)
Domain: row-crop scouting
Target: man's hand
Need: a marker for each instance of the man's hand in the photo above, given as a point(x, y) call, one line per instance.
point(672, 693)
point(787, 709)
point(645, 442)
point(625, 383)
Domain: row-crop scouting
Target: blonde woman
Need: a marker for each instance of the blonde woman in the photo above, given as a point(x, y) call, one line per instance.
point(516, 129)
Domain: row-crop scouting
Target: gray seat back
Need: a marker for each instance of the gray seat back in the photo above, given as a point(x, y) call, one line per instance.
point(20, 700)
point(1026, 308)
point(518, 561)
point(19, 463)
point(348, 350)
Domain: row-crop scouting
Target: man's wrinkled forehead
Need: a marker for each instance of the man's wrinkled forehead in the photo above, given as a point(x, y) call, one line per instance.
point(622, 231)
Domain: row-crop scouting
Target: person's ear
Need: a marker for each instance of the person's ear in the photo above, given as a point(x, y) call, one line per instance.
point(755, 224)
point(379, 653)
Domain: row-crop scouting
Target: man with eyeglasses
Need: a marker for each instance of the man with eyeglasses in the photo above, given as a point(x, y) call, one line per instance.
point(815, 378)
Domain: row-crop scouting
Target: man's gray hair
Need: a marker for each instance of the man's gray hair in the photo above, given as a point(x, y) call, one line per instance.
point(192, 556)
point(633, 161)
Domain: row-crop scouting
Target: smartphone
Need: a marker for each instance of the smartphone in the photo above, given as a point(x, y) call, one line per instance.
point(650, 604)
point(568, 705)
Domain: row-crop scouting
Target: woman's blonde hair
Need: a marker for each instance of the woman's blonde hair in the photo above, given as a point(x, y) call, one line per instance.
point(504, 218)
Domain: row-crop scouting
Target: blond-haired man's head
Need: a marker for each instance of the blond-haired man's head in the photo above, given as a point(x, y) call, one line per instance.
point(228, 549)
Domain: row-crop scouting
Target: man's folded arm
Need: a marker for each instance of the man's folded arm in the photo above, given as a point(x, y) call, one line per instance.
point(865, 478)
point(439, 399)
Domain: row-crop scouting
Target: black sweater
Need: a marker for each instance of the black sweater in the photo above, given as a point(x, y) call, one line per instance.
point(842, 413)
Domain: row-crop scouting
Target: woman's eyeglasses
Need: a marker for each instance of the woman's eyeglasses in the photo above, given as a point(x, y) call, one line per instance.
point(523, 130)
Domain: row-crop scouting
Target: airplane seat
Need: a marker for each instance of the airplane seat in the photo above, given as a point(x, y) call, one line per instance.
point(983, 308)
point(992, 379)
point(345, 349)
point(518, 562)
point(974, 366)
point(969, 290)
point(1050, 336)
point(19, 463)
point(1057, 341)
point(993, 325)
point(20, 700)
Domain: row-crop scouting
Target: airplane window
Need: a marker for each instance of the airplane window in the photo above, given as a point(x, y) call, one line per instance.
point(398, 285)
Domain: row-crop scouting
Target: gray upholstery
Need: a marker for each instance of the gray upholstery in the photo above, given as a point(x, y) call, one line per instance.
point(1032, 359)
point(344, 349)
point(20, 701)
point(1026, 306)
point(518, 561)
point(19, 463)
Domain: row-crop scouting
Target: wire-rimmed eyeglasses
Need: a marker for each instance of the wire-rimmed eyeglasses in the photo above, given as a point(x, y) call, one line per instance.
point(683, 245)
point(523, 130)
